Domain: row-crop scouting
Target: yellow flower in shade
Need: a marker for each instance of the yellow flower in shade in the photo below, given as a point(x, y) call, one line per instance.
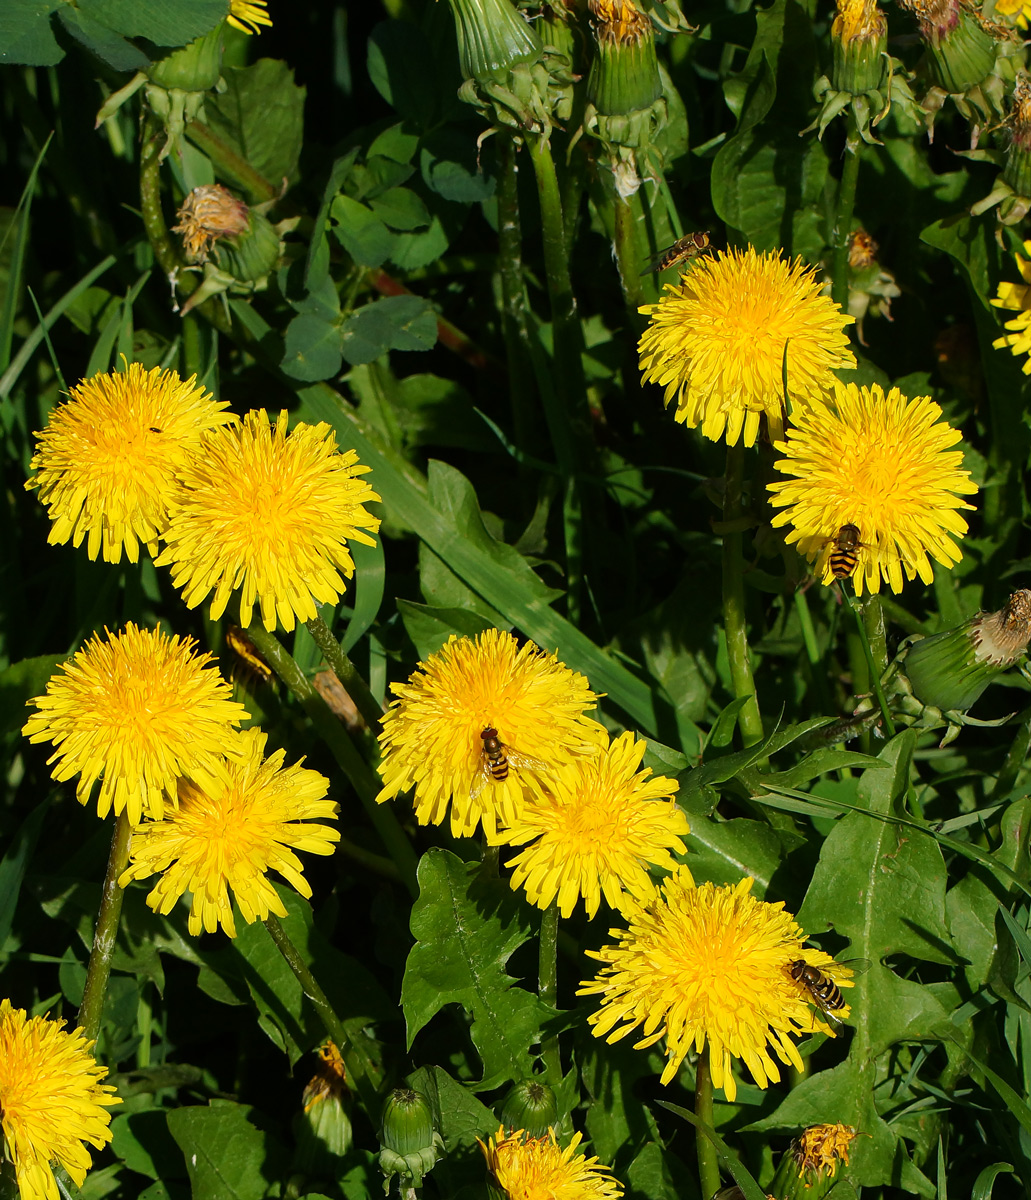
point(709, 964)
point(270, 513)
point(433, 732)
point(1017, 11)
point(51, 1101)
point(599, 826)
point(882, 465)
point(135, 711)
point(105, 464)
point(1017, 297)
point(716, 342)
point(820, 1148)
point(229, 830)
point(522, 1168)
point(249, 15)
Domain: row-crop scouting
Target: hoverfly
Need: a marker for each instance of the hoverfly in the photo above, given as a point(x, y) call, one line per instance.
point(845, 554)
point(683, 251)
point(495, 760)
point(820, 986)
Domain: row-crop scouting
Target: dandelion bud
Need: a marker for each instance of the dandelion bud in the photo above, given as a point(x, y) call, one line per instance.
point(810, 1165)
point(193, 68)
point(529, 1106)
point(1017, 170)
point(950, 670)
point(323, 1128)
point(410, 1144)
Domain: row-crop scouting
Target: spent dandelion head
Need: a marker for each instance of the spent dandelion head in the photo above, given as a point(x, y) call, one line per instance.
point(229, 830)
point(135, 710)
point(709, 965)
point(529, 1168)
point(208, 213)
point(433, 733)
point(270, 513)
point(106, 464)
point(596, 830)
point(717, 340)
point(882, 465)
point(249, 15)
point(818, 1150)
point(1017, 298)
point(51, 1101)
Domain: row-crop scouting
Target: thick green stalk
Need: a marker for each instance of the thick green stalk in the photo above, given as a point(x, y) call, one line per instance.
point(99, 971)
point(357, 770)
point(347, 673)
point(875, 665)
point(734, 600)
point(843, 215)
point(626, 257)
point(361, 1071)
point(708, 1163)
point(514, 321)
point(547, 989)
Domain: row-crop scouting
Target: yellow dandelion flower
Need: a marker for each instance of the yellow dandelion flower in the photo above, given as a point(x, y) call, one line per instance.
point(599, 826)
point(1018, 11)
point(270, 513)
point(105, 465)
point(523, 1168)
point(820, 1148)
point(51, 1101)
point(249, 15)
point(135, 711)
point(716, 342)
point(882, 465)
point(435, 733)
point(1017, 297)
point(228, 831)
point(709, 964)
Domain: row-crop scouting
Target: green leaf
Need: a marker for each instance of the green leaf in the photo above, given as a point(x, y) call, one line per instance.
point(102, 41)
point(143, 1142)
point(399, 70)
point(25, 33)
point(311, 348)
point(158, 21)
point(984, 1184)
point(15, 862)
point(448, 159)
point(228, 1156)
point(657, 1174)
point(394, 323)
point(401, 208)
point(19, 683)
point(361, 232)
point(723, 851)
point(466, 929)
point(429, 628)
point(370, 577)
point(260, 116)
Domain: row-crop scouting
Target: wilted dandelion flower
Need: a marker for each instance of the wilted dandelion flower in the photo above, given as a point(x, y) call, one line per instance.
point(882, 465)
point(599, 826)
point(269, 513)
point(1017, 296)
point(208, 213)
point(105, 465)
point(708, 964)
point(522, 1168)
point(819, 1149)
point(249, 15)
point(433, 732)
point(716, 342)
point(229, 831)
point(136, 711)
point(51, 1101)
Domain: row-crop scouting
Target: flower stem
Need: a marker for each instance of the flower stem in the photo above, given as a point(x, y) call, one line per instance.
point(150, 199)
point(734, 600)
point(355, 767)
point(869, 618)
point(99, 971)
point(626, 256)
point(708, 1166)
point(347, 673)
point(547, 989)
point(843, 215)
point(513, 293)
point(362, 1072)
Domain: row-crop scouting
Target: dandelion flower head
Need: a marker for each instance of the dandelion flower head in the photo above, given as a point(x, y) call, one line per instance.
point(135, 710)
point(1017, 298)
point(228, 831)
point(716, 342)
point(432, 733)
point(819, 1149)
point(51, 1101)
point(270, 513)
point(106, 464)
point(708, 964)
point(595, 831)
point(249, 15)
point(882, 464)
point(525, 1168)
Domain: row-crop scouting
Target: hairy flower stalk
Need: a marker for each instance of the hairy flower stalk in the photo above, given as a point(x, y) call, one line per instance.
point(950, 670)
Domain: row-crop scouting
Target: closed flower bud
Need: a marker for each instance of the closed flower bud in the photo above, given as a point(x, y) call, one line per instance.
point(410, 1144)
point(950, 670)
point(529, 1106)
point(193, 68)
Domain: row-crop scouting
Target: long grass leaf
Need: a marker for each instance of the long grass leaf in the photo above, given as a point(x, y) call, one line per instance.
point(17, 267)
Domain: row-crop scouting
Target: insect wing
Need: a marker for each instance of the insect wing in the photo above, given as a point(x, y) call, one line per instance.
point(853, 968)
point(482, 777)
point(524, 762)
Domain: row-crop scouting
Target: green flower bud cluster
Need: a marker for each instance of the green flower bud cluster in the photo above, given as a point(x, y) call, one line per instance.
point(410, 1146)
point(1012, 190)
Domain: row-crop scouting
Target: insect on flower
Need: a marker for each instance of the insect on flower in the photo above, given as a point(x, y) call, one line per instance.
point(821, 987)
point(845, 554)
point(495, 760)
point(683, 251)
